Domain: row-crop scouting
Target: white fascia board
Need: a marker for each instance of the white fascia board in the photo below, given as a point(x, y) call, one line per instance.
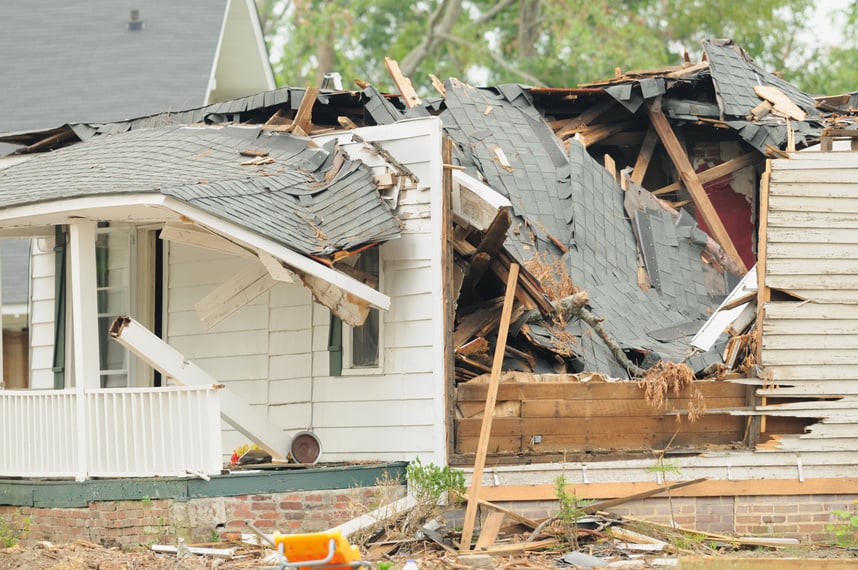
point(212, 84)
point(291, 258)
point(489, 195)
point(28, 214)
point(259, 39)
point(79, 206)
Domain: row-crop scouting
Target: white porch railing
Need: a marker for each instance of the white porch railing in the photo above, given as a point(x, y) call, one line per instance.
point(130, 432)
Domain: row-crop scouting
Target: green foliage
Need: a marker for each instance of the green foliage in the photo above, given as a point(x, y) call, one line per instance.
point(845, 530)
point(431, 483)
point(384, 565)
point(570, 509)
point(544, 42)
point(10, 536)
point(665, 467)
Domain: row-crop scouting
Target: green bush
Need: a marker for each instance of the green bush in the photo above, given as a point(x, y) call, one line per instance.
point(430, 483)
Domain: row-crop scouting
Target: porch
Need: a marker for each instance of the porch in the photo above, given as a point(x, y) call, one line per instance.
point(120, 432)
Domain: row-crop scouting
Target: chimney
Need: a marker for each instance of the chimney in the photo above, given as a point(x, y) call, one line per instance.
point(135, 23)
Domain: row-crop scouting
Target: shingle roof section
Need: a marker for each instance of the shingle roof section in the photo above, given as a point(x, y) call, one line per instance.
point(735, 75)
point(500, 132)
point(287, 201)
point(571, 197)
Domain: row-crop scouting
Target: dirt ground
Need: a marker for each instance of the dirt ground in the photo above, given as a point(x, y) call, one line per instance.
point(81, 555)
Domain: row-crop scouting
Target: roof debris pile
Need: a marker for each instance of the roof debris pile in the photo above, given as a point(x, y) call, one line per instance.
point(635, 196)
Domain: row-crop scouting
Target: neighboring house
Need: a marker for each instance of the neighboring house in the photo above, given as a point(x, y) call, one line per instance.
point(99, 61)
point(348, 284)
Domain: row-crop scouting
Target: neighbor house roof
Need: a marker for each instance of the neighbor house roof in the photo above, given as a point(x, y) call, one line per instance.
point(102, 61)
point(85, 61)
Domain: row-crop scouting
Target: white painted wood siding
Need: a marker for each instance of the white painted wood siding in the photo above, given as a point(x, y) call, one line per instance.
point(810, 346)
point(274, 351)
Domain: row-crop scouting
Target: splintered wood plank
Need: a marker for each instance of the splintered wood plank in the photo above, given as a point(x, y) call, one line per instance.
point(489, 531)
point(602, 505)
point(575, 430)
point(406, 90)
point(644, 156)
point(692, 182)
point(744, 563)
point(574, 125)
point(519, 518)
point(304, 115)
point(591, 408)
point(782, 103)
point(526, 391)
point(233, 294)
point(491, 398)
point(487, 249)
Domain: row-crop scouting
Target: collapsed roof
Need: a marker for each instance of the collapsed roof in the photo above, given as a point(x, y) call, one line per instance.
point(651, 273)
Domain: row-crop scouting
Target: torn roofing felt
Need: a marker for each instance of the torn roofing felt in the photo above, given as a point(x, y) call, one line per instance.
point(287, 200)
point(566, 200)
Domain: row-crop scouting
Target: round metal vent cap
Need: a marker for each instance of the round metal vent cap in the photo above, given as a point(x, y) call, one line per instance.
point(305, 448)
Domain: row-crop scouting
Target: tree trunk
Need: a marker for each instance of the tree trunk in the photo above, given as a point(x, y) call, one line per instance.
point(441, 23)
point(528, 28)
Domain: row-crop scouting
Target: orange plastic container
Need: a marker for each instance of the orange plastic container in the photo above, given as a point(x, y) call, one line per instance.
point(315, 548)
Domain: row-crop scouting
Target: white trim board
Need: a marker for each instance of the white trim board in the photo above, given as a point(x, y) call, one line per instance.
point(88, 206)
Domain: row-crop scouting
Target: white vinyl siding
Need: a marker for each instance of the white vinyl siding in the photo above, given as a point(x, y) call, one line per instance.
point(810, 345)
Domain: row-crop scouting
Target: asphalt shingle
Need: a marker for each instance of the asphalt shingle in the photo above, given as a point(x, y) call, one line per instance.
point(287, 201)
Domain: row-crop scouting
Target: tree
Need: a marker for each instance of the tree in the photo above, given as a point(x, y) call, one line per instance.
point(535, 42)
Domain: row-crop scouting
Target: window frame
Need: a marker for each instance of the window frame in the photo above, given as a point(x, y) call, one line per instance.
point(348, 366)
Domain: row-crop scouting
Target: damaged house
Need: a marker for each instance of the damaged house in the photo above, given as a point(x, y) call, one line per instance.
point(325, 272)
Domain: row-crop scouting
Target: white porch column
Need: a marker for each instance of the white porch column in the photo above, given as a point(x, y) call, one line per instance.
point(84, 317)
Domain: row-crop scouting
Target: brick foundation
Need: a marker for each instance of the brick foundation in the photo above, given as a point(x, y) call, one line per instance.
point(126, 523)
point(162, 521)
point(803, 517)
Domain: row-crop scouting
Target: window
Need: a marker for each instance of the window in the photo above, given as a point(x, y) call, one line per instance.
point(362, 350)
point(114, 258)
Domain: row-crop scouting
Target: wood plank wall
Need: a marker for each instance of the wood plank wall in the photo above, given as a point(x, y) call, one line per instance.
point(572, 416)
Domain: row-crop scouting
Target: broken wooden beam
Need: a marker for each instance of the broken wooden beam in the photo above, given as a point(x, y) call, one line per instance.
point(406, 90)
point(304, 115)
point(644, 156)
point(716, 172)
point(607, 504)
point(172, 364)
point(491, 399)
point(574, 125)
point(487, 248)
point(692, 182)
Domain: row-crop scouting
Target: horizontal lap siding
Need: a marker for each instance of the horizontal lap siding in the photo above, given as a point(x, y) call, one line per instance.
point(274, 351)
point(235, 351)
point(812, 227)
point(810, 348)
point(392, 415)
